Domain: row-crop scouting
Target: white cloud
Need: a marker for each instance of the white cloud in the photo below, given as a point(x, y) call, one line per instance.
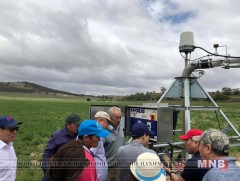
point(112, 47)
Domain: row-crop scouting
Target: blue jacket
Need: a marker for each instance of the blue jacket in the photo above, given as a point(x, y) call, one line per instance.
point(57, 139)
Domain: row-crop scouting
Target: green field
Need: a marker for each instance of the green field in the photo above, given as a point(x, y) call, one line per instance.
point(43, 116)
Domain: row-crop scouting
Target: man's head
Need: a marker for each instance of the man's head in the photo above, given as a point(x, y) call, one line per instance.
point(90, 132)
point(8, 128)
point(72, 123)
point(103, 118)
point(192, 138)
point(214, 143)
point(141, 132)
point(115, 114)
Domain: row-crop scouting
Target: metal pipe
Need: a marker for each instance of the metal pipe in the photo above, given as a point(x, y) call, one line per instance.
point(203, 64)
point(166, 144)
point(209, 63)
point(175, 151)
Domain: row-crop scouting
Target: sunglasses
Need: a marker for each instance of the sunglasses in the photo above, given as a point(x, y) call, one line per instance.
point(11, 129)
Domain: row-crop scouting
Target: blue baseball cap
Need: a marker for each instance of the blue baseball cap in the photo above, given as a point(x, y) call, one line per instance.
point(92, 127)
point(139, 129)
point(8, 121)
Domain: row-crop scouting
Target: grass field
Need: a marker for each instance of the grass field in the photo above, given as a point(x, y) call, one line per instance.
point(43, 116)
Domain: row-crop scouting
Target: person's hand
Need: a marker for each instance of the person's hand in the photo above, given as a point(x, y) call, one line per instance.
point(168, 170)
point(179, 167)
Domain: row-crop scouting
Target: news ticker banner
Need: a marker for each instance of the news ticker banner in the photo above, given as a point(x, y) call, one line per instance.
point(61, 164)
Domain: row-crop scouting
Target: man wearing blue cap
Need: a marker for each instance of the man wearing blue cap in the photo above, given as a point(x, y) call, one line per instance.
point(8, 159)
point(90, 132)
point(128, 154)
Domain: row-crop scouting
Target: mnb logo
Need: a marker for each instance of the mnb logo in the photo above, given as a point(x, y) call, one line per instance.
point(212, 164)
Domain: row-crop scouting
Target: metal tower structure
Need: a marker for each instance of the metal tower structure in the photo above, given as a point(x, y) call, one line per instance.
point(188, 87)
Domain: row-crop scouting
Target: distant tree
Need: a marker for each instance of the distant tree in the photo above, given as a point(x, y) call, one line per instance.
point(163, 89)
point(88, 99)
point(227, 90)
point(236, 91)
point(148, 96)
point(220, 96)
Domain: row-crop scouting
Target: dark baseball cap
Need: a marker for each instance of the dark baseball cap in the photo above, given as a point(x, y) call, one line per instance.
point(8, 121)
point(139, 129)
point(73, 118)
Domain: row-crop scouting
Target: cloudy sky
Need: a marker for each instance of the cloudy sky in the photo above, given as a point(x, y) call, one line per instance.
point(111, 47)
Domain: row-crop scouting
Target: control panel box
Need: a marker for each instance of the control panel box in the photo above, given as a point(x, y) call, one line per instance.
point(158, 119)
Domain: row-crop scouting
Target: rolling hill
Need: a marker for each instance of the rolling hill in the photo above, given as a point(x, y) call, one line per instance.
point(31, 88)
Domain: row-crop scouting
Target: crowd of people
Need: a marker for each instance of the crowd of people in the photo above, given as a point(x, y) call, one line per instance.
point(95, 150)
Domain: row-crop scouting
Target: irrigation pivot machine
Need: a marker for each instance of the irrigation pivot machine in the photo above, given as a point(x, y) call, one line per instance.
point(187, 86)
point(162, 118)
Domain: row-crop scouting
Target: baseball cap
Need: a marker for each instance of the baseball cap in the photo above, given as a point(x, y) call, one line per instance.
point(73, 118)
point(139, 129)
point(102, 114)
point(92, 127)
point(217, 139)
point(193, 134)
point(8, 121)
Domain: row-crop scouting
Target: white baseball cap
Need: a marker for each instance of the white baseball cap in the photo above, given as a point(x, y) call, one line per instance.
point(102, 114)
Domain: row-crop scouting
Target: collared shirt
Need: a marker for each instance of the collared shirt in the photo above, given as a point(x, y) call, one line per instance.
point(191, 170)
point(57, 139)
point(101, 162)
point(230, 173)
point(112, 143)
point(8, 162)
point(128, 154)
point(89, 173)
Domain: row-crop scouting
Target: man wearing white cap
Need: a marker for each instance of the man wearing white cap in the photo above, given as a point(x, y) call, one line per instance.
point(99, 153)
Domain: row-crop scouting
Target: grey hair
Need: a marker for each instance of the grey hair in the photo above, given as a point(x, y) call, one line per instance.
point(111, 110)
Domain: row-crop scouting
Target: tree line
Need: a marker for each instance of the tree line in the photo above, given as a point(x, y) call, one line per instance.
point(226, 93)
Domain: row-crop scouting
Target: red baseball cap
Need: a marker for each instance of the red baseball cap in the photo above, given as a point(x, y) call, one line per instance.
point(191, 133)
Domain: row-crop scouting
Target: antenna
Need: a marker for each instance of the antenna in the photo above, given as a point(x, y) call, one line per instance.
point(186, 43)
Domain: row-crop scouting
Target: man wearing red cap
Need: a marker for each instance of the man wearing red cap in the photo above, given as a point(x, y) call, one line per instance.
point(191, 170)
